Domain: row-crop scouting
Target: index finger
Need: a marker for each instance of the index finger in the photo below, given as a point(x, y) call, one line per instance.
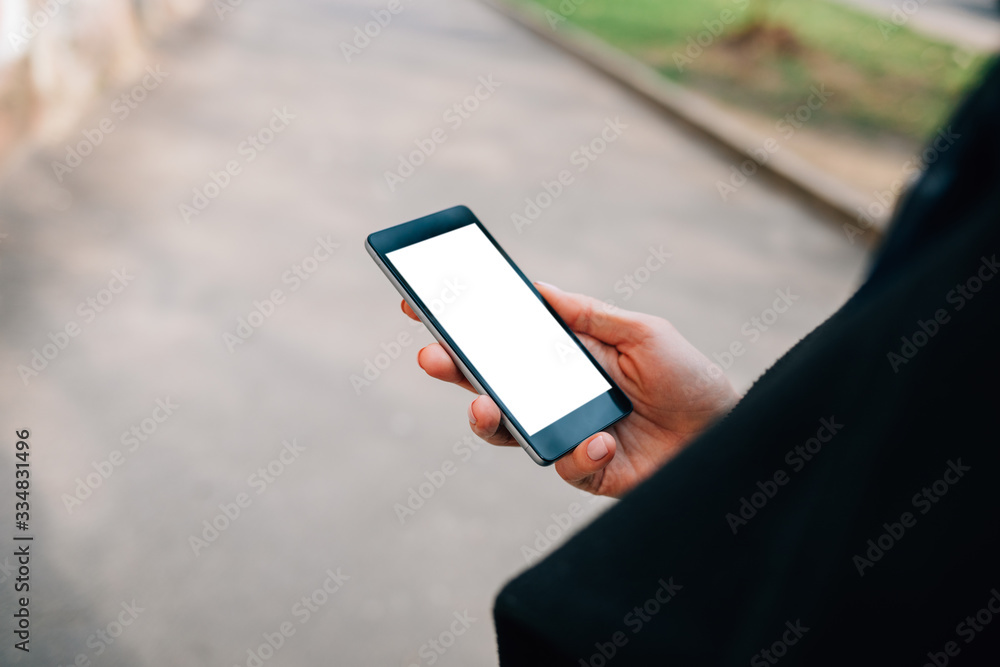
point(587, 315)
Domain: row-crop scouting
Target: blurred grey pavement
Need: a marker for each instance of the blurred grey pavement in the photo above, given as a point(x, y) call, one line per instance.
point(359, 450)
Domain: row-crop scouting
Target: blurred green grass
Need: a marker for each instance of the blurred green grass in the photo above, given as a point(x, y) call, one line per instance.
point(885, 79)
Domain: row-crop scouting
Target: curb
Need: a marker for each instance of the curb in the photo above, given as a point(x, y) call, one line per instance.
point(807, 182)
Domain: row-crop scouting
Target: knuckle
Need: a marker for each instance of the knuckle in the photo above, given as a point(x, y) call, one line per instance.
point(585, 318)
point(644, 328)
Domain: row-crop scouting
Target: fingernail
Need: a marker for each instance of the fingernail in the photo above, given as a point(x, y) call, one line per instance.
point(544, 284)
point(472, 416)
point(598, 448)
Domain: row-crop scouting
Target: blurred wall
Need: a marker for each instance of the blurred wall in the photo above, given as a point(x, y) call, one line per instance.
point(56, 55)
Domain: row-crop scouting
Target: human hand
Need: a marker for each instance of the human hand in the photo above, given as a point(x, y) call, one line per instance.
point(674, 394)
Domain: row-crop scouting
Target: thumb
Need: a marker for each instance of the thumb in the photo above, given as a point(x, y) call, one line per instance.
point(587, 315)
point(584, 466)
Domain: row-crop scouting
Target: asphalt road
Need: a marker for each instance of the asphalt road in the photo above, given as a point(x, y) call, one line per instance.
point(147, 422)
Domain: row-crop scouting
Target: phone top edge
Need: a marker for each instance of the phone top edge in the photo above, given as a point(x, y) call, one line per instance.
point(447, 219)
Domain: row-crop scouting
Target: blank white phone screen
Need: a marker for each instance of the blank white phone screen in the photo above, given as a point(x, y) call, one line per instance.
point(506, 333)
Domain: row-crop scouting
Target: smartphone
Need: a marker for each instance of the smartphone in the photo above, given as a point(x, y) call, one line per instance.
point(502, 335)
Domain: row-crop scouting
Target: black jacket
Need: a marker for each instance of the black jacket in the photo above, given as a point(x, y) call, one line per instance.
point(847, 511)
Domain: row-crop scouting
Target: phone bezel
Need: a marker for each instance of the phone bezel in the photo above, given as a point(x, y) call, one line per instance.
point(559, 437)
